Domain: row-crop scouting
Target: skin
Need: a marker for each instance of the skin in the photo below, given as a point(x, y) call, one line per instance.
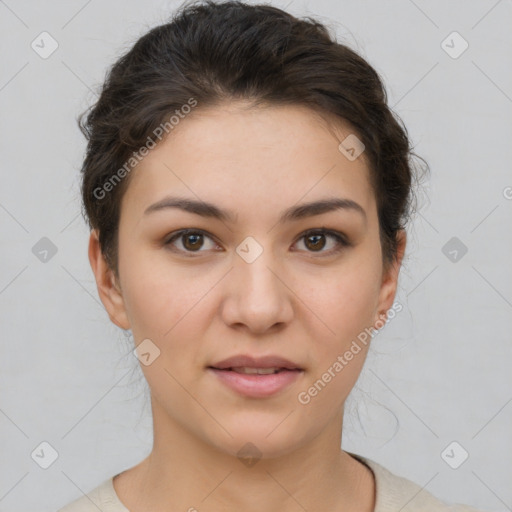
point(302, 303)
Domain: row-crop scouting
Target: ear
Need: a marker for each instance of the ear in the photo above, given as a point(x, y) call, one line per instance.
point(390, 281)
point(108, 288)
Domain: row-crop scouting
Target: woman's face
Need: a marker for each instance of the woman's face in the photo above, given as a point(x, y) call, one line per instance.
point(252, 283)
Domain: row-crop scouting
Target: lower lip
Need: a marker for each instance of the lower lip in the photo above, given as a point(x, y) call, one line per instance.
point(257, 385)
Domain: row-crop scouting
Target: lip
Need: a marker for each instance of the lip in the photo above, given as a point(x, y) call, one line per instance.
point(256, 362)
point(256, 385)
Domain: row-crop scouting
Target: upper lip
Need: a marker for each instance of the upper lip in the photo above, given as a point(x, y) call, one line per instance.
point(269, 361)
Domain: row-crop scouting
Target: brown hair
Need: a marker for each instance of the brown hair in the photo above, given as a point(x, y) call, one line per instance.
point(212, 52)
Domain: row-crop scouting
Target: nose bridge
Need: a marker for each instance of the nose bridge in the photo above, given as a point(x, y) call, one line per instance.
point(259, 297)
point(258, 276)
point(254, 271)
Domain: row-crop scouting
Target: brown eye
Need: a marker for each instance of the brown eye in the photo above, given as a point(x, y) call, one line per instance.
point(316, 241)
point(192, 240)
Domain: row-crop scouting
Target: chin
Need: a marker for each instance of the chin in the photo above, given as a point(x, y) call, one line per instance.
point(259, 438)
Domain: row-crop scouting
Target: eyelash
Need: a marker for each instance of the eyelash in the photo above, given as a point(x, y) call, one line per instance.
point(340, 239)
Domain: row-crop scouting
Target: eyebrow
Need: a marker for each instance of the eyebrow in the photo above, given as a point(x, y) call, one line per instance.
point(301, 211)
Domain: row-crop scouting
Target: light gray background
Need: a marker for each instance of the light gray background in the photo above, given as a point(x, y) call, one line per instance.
point(438, 372)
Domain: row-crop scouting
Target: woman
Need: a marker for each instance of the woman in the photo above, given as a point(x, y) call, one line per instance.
point(247, 188)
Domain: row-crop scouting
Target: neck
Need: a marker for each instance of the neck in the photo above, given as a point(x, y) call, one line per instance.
point(184, 472)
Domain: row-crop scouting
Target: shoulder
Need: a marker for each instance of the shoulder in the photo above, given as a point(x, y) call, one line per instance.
point(103, 497)
point(394, 492)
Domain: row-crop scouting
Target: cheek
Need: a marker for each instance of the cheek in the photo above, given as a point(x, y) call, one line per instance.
point(345, 308)
point(155, 296)
point(344, 304)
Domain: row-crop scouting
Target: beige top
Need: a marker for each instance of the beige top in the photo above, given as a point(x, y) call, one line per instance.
point(393, 494)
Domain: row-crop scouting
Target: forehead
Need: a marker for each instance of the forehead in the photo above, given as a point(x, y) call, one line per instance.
point(251, 157)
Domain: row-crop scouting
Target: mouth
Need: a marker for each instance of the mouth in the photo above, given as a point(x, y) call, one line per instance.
point(250, 364)
point(249, 370)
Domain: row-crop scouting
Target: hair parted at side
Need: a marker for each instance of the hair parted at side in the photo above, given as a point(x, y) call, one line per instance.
point(214, 52)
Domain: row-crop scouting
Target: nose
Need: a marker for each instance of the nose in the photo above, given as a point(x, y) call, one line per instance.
point(257, 297)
